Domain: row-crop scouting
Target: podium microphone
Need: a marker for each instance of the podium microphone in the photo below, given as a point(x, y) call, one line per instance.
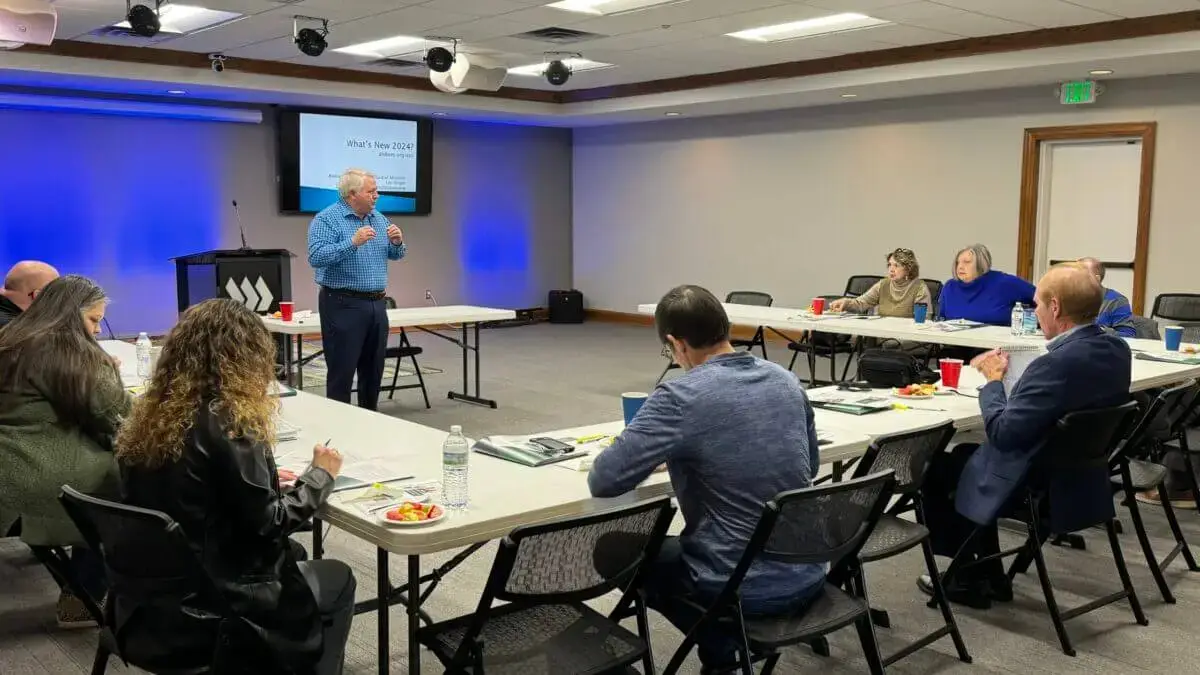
point(241, 229)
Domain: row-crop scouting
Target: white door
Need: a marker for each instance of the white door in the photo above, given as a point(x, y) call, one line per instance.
point(1088, 206)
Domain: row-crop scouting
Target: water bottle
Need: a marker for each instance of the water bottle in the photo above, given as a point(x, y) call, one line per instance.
point(1029, 322)
point(144, 348)
point(455, 452)
point(1017, 322)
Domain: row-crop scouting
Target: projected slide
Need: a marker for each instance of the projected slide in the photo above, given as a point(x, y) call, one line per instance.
point(331, 144)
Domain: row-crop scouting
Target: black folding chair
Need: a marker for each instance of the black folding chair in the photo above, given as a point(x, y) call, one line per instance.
point(1175, 439)
point(758, 299)
point(815, 525)
point(1131, 475)
point(859, 284)
point(825, 345)
point(909, 456)
point(150, 564)
point(545, 574)
point(1182, 309)
point(1080, 448)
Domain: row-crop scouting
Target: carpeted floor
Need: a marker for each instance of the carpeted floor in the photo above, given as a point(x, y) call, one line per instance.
point(547, 377)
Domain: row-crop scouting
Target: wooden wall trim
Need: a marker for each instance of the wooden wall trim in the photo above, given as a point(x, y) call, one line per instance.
point(1031, 165)
point(1120, 29)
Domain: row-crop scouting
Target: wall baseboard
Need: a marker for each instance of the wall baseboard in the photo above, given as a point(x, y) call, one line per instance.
point(738, 332)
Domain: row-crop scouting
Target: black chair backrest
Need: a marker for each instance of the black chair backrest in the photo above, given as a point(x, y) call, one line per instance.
point(907, 455)
point(577, 559)
point(1145, 328)
point(859, 284)
point(1182, 309)
point(1156, 418)
point(1085, 439)
point(389, 302)
point(935, 292)
point(146, 555)
point(756, 298)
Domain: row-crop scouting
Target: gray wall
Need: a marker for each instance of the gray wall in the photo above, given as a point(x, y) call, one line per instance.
point(115, 197)
point(792, 202)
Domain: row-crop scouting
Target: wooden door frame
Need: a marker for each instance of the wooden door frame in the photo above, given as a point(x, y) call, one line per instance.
point(1031, 167)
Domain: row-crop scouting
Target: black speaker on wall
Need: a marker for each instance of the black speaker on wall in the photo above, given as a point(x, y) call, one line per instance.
point(566, 306)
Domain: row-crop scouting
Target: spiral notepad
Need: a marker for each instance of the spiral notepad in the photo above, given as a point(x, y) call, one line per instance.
point(1019, 358)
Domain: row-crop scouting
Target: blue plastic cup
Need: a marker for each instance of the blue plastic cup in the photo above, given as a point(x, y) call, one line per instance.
point(920, 311)
point(631, 403)
point(1173, 336)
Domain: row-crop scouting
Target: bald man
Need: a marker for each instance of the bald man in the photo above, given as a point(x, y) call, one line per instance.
point(1083, 368)
point(1116, 314)
point(21, 285)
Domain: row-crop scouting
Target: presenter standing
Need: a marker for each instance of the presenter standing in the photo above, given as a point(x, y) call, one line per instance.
point(349, 246)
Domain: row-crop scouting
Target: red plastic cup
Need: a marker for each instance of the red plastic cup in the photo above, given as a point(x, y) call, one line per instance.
point(285, 310)
point(951, 370)
point(818, 306)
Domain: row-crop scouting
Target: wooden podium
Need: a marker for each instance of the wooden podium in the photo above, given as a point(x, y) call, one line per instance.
point(257, 278)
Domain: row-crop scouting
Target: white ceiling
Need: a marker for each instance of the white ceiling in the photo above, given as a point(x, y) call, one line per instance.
point(637, 43)
point(683, 38)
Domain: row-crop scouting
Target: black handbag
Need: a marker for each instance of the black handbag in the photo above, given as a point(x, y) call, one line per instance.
point(893, 368)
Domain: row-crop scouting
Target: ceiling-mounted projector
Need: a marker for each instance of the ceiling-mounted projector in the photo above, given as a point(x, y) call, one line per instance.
point(27, 22)
point(469, 71)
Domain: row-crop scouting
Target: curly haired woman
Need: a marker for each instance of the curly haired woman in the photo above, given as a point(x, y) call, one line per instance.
point(198, 446)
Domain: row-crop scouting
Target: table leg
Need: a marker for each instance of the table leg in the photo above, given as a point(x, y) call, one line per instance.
point(287, 359)
point(318, 544)
point(384, 589)
point(299, 361)
point(466, 346)
point(414, 618)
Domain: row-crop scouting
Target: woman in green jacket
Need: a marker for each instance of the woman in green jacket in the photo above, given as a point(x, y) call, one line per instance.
point(61, 401)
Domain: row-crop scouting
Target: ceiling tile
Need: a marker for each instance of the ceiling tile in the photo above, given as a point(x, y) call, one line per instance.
point(76, 22)
point(340, 11)
point(482, 29)
point(860, 6)
point(949, 19)
point(675, 14)
point(1132, 8)
point(245, 31)
point(768, 16)
point(898, 34)
point(1041, 13)
point(476, 7)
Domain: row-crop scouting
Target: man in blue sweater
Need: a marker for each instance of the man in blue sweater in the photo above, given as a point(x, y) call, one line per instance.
point(1116, 315)
point(733, 431)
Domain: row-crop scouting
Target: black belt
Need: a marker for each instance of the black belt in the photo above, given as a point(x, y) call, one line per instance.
point(351, 293)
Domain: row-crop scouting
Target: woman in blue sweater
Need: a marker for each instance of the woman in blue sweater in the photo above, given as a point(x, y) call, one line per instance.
point(979, 293)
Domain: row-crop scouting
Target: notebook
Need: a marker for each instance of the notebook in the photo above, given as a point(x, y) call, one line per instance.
point(849, 402)
point(1019, 358)
point(521, 450)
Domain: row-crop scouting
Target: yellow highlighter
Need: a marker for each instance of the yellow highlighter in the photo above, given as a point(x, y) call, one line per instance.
point(591, 439)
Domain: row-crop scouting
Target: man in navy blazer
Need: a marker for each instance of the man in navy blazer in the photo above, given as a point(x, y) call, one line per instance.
point(1083, 368)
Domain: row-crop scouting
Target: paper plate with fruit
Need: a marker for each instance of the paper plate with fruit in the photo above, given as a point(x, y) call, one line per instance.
point(916, 391)
point(410, 514)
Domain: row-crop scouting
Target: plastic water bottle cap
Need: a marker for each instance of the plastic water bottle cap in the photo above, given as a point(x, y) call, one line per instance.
point(455, 429)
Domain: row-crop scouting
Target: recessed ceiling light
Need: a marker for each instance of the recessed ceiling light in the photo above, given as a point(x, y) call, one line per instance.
point(575, 64)
point(672, 114)
point(439, 114)
point(177, 92)
point(188, 18)
point(1102, 71)
point(608, 7)
point(379, 49)
point(834, 23)
point(849, 95)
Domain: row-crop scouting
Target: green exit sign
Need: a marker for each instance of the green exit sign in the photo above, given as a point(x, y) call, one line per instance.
point(1082, 91)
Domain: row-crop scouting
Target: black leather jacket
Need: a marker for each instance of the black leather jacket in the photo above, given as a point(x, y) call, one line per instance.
point(225, 495)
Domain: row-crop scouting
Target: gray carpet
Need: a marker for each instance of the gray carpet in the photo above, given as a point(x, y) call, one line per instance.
point(547, 377)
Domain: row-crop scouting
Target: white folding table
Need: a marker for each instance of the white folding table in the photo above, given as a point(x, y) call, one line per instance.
point(468, 317)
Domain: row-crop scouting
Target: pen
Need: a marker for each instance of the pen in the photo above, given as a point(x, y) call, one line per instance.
point(327, 441)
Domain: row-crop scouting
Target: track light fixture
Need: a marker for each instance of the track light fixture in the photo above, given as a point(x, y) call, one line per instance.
point(558, 71)
point(143, 20)
point(310, 41)
point(439, 59)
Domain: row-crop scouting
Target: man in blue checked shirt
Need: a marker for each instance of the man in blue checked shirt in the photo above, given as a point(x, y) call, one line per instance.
point(350, 257)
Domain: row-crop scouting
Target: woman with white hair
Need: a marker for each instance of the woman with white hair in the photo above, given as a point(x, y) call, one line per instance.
point(979, 293)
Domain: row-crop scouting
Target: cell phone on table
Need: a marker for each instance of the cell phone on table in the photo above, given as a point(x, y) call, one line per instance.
point(551, 444)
